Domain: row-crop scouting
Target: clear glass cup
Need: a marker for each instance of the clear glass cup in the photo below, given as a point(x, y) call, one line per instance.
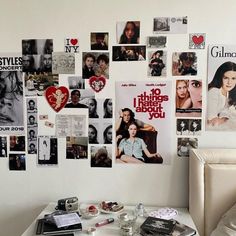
point(127, 222)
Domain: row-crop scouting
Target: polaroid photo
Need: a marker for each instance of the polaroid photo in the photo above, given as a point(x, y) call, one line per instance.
point(76, 147)
point(197, 41)
point(184, 145)
point(47, 150)
point(157, 61)
point(99, 41)
point(184, 63)
point(170, 25)
point(63, 63)
point(156, 41)
point(101, 156)
point(95, 64)
point(71, 45)
point(128, 32)
point(3, 146)
point(129, 53)
point(17, 162)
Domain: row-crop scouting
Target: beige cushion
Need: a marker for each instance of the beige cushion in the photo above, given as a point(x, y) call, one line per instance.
point(227, 224)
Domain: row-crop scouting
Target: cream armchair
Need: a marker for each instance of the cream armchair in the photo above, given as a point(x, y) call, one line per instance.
point(212, 186)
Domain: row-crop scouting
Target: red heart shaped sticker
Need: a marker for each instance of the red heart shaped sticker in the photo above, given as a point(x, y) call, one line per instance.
point(57, 97)
point(97, 83)
point(73, 41)
point(197, 39)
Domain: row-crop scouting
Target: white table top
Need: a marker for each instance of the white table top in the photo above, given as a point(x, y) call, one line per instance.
point(109, 229)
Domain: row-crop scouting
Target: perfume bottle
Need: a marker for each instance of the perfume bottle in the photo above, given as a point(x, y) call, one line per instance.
point(140, 210)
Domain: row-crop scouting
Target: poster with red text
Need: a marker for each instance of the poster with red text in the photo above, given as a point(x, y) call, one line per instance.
point(142, 122)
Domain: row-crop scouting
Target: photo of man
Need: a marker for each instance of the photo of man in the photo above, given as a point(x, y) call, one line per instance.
point(75, 98)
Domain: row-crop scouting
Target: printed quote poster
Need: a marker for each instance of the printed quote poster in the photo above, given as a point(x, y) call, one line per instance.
point(221, 92)
point(148, 105)
point(11, 100)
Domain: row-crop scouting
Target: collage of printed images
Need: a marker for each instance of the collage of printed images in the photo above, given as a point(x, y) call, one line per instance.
point(37, 75)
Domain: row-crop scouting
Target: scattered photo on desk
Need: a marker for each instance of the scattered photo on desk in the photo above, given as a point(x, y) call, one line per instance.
point(184, 145)
point(76, 147)
point(101, 156)
point(76, 82)
point(170, 25)
point(156, 41)
point(157, 63)
point(17, 162)
point(99, 41)
point(129, 53)
point(95, 64)
point(3, 146)
point(47, 150)
point(63, 63)
point(17, 143)
point(37, 83)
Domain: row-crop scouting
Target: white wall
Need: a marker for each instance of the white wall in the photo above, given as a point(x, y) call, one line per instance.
point(24, 194)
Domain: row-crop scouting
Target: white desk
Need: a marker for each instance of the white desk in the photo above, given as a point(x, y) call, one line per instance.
point(109, 229)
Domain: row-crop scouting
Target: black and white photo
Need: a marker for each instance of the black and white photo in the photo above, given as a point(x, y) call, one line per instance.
point(47, 150)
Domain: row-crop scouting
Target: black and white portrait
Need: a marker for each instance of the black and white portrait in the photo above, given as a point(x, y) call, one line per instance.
point(47, 150)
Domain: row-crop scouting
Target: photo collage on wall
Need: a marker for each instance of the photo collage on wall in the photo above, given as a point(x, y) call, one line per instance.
point(188, 100)
point(84, 117)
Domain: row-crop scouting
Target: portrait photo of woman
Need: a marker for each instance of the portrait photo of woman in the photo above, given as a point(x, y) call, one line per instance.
point(128, 32)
